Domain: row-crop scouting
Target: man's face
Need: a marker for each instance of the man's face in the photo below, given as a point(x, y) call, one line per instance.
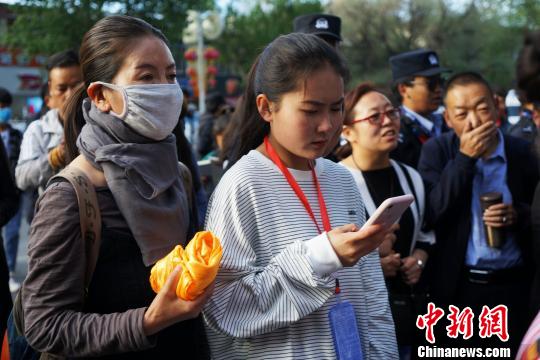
point(424, 95)
point(62, 82)
point(469, 103)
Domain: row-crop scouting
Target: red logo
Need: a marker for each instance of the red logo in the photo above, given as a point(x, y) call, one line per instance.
point(494, 322)
point(491, 322)
point(460, 322)
point(429, 320)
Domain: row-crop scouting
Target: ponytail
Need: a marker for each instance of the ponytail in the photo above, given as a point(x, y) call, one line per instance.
point(252, 129)
point(343, 151)
point(73, 118)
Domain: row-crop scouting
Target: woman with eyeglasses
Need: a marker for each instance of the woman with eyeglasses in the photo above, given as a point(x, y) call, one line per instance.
point(371, 128)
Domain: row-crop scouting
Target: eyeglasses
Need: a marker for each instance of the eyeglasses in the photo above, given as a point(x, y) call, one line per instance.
point(431, 82)
point(378, 118)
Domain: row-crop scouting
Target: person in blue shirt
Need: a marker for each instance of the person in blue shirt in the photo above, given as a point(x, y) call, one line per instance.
point(458, 167)
point(418, 85)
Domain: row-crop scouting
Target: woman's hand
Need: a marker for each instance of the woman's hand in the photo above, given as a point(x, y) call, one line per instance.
point(410, 270)
point(387, 246)
point(390, 261)
point(350, 243)
point(167, 309)
point(390, 264)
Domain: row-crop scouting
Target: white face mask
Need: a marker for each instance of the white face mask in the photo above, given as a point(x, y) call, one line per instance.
point(152, 110)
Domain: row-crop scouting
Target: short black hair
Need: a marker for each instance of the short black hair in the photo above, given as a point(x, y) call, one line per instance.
point(63, 59)
point(395, 87)
point(466, 78)
point(214, 100)
point(221, 122)
point(5, 97)
point(44, 92)
point(499, 90)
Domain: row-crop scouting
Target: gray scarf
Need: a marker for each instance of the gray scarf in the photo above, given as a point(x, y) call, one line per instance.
point(144, 178)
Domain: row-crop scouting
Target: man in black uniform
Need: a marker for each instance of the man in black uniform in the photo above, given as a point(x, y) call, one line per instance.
point(418, 85)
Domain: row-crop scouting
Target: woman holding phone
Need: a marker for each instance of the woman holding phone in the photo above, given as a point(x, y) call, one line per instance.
point(289, 222)
point(371, 127)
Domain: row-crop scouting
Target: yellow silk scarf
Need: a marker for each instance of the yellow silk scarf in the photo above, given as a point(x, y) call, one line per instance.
point(199, 261)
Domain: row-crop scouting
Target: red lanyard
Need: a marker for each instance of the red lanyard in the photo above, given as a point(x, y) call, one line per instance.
point(294, 185)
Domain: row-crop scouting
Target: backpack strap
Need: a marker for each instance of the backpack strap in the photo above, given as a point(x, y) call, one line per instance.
point(90, 219)
point(89, 214)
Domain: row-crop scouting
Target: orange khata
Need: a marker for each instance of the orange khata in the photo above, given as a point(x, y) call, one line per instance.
point(199, 261)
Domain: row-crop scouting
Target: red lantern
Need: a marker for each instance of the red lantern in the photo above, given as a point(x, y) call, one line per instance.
point(212, 70)
point(192, 72)
point(190, 55)
point(211, 53)
point(212, 82)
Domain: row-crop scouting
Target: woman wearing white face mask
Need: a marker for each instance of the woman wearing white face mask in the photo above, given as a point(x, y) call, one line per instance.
point(129, 104)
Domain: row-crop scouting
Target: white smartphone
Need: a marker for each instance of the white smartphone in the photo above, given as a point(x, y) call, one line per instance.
point(389, 212)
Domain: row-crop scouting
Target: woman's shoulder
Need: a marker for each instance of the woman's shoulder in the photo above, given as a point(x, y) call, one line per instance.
point(57, 204)
point(335, 172)
point(56, 217)
point(96, 177)
point(250, 169)
point(413, 173)
point(333, 167)
point(58, 191)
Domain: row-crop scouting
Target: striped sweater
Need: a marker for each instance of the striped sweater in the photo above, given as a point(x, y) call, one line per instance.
point(269, 301)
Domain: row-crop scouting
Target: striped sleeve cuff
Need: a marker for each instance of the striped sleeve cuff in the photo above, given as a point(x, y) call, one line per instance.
point(321, 255)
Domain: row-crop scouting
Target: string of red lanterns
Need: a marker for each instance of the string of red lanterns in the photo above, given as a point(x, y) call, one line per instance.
point(210, 54)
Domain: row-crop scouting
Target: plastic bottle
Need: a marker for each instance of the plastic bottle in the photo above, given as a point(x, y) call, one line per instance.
point(513, 107)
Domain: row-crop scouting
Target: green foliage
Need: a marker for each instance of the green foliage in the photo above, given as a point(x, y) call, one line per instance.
point(167, 15)
point(476, 36)
point(246, 34)
point(48, 26)
point(514, 13)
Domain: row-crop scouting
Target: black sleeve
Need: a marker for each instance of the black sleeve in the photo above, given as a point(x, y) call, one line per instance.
point(530, 177)
point(8, 192)
point(447, 179)
point(408, 149)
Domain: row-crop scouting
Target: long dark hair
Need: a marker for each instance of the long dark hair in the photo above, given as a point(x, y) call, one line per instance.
point(281, 68)
point(351, 99)
point(102, 53)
